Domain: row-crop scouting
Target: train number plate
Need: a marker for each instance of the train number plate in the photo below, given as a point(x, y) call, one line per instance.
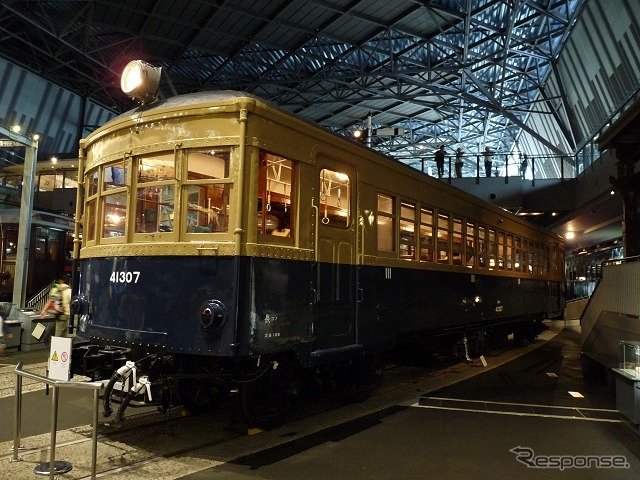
point(124, 277)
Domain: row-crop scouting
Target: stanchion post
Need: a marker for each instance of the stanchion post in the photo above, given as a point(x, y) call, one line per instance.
point(54, 429)
point(94, 438)
point(17, 418)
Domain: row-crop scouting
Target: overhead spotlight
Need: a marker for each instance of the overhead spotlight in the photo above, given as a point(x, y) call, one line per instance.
point(360, 134)
point(141, 81)
point(35, 137)
point(54, 160)
point(613, 192)
point(570, 235)
point(16, 128)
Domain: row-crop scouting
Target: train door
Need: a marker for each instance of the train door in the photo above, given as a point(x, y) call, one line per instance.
point(335, 305)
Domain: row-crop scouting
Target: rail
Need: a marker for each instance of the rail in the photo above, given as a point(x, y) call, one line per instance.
point(36, 302)
point(55, 384)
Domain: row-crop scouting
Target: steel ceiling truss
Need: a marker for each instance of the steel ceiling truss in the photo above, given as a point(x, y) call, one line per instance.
point(463, 73)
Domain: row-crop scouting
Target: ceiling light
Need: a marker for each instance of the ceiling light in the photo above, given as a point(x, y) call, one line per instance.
point(16, 128)
point(141, 81)
point(570, 235)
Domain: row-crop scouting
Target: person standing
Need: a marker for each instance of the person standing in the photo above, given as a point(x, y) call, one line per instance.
point(439, 155)
point(523, 166)
point(59, 305)
point(488, 161)
point(459, 155)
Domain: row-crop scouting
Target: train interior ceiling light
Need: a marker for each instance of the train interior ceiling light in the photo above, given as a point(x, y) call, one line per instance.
point(141, 81)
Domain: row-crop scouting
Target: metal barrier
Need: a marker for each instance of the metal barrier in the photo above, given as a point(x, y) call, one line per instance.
point(55, 384)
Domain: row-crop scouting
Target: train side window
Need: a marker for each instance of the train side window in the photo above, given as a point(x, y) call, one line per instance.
point(208, 190)
point(275, 187)
point(89, 222)
point(90, 210)
point(501, 250)
point(470, 248)
point(491, 247)
point(407, 231)
point(456, 242)
point(386, 223)
point(545, 260)
point(482, 247)
point(528, 256)
point(517, 265)
point(443, 238)
point(13, 181)
point(426, 234)
point(509, 252)
point(335, 198)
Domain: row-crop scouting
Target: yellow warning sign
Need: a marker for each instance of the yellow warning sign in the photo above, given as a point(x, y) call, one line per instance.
point(54, 357)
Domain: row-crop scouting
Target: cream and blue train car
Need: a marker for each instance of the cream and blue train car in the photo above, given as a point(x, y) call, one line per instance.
point(228, 244)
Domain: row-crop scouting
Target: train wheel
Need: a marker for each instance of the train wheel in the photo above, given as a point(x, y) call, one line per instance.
point(201, 395)
point(267, 401)
point(361, 378)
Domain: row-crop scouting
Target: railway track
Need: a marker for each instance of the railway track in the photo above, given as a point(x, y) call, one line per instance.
point(171, 445)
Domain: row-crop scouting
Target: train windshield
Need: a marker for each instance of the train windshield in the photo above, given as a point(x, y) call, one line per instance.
point(199, 180)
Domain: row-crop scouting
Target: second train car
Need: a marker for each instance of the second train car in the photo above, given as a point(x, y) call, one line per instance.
point(228, 244)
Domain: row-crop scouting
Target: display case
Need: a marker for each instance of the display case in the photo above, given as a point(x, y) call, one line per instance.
point(630, 357)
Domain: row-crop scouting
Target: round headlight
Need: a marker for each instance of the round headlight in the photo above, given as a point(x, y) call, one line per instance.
point(140, 81)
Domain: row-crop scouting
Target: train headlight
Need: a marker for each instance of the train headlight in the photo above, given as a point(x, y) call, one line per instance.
point(141, 81)
point(213, 314)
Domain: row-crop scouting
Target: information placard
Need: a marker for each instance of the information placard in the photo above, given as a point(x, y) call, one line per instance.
point(60, 358)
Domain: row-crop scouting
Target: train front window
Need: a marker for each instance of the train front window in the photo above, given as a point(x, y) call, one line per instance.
point(275, 186)
point(90, 221)
point(155, 209)
point(157, 168)
point(155, 195)
point(115, 175)
point(93, 183)
point(207, 191)
point(115, 214)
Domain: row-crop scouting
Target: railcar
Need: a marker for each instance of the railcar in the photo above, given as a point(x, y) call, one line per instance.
point(228, 244)
point(48, 251)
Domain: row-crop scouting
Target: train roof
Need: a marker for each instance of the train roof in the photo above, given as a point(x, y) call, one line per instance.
point(197, 98)
point(40, 218)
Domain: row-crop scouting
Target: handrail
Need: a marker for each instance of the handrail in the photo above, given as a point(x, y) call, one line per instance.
point(95, 386)
point(38, 300)
point(635, 258)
